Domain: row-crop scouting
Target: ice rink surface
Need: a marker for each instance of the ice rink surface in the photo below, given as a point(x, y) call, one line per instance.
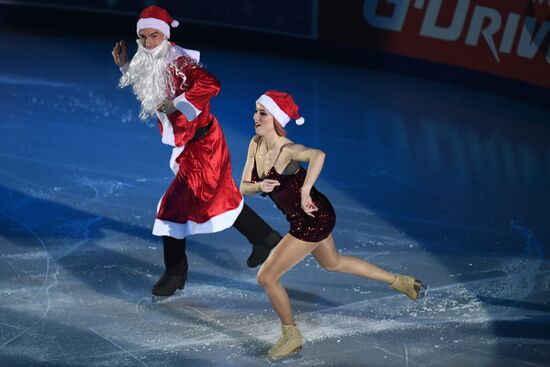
point(447, 184)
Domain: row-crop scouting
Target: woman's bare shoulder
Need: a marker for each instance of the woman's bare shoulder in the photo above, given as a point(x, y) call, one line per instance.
point(292, 146)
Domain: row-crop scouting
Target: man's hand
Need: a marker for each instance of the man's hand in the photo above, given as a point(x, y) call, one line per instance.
point(120, 54)
point(166, 106)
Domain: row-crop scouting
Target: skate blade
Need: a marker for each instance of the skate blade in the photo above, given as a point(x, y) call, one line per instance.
point(161, 299)
point(423, 291)
point(294, 355)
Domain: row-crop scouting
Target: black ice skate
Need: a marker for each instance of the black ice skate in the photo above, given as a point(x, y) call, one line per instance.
point(167, 285)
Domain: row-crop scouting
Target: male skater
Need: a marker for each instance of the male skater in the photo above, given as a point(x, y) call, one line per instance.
point(203, 198)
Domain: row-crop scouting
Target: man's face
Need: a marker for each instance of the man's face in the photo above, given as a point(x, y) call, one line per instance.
point(150, 37)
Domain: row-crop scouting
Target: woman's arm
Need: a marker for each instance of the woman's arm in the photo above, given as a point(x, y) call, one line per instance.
point(247, 187)
point(315, 159)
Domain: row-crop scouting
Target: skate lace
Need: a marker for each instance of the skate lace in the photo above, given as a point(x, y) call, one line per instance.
point(280, 342)
point(283, 339)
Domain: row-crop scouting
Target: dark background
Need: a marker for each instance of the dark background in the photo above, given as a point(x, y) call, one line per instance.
point(287, 28)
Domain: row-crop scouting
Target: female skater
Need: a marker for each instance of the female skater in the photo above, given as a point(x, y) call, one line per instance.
point(273, 168)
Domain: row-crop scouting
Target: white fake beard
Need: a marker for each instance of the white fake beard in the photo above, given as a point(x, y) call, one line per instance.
point(149, 77)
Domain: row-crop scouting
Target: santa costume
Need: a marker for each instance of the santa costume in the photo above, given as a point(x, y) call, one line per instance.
point(203, 197)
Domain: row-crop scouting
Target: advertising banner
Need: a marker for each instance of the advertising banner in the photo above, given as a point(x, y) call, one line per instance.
point(507, 38)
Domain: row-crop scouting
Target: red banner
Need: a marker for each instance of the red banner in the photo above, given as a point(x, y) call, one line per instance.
point(508, 38)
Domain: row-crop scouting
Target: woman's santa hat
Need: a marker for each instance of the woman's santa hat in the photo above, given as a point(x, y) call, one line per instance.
point(156, 17)
point(281, 106)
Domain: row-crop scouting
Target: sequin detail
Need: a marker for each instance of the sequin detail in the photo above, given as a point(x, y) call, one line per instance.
point(287, 198)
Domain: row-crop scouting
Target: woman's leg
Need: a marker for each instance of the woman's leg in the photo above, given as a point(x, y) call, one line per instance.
point(289, 252)
point(331, 260)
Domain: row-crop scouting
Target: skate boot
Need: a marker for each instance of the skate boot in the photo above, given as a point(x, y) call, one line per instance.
point(168, 284)
point(289, 342)
point(409, 286)
point(261, 251)
point(175, 262)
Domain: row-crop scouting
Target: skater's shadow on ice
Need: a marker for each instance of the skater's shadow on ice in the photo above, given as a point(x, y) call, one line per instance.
point(76, 240)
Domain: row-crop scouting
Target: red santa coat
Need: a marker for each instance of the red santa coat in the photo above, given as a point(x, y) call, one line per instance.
point(203, 197)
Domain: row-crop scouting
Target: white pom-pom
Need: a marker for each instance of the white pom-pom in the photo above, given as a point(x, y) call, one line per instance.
point(174, 23)
point(300, 121)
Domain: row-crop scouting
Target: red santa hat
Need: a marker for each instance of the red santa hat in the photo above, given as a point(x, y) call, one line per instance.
point(156, 17)
point(281, 106)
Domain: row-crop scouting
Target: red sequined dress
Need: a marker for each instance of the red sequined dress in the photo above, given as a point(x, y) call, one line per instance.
point(287, 198)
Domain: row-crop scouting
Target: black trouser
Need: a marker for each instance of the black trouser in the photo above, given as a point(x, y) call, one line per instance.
point(175, 258)
point(254, 228)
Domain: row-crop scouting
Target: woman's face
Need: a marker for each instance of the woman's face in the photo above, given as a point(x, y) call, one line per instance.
point(263, 121)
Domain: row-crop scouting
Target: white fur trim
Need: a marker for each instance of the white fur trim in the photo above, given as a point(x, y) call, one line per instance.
point(186, 107)
point(124, 68)
point(154, 23)
point(167, 129)
point(169, 139)
point(193, 54)
point(174, 166)
point(300, 121)
point(274, 109)
point(182, 230)
point(178, 51)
